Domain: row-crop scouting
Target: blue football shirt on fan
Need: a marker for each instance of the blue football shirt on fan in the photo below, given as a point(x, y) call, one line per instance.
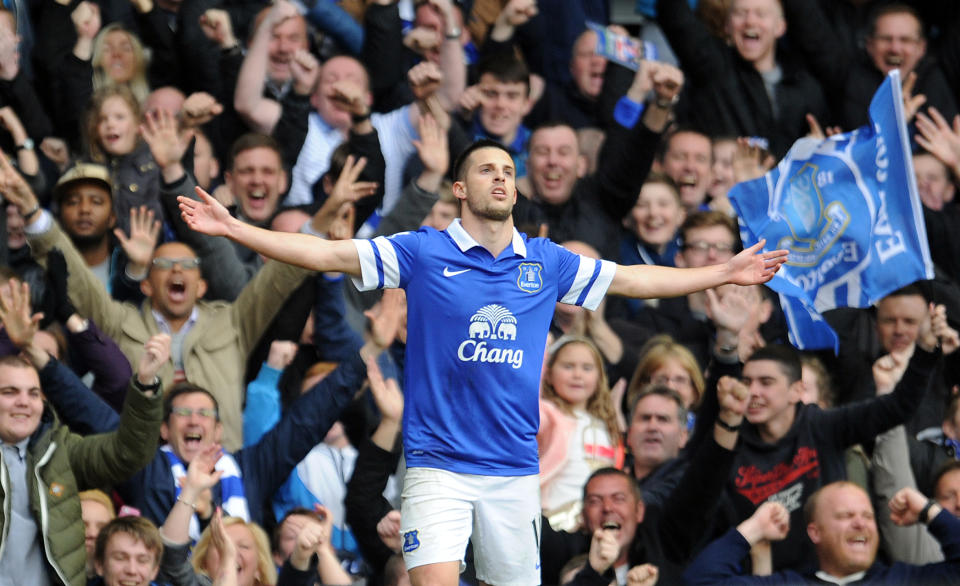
point(476, 331)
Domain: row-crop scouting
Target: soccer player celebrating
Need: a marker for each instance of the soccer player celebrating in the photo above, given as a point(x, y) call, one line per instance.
point(480, 297)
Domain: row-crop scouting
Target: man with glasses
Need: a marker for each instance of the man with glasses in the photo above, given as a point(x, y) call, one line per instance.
point(896, 41)
point(192, 432)
point(707, 238)
point(479, 301)
point(211, 340)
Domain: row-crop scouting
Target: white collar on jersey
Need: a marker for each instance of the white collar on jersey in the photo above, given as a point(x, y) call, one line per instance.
point(466, 241)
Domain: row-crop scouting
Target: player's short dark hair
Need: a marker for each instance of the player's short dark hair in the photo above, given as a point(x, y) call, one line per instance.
point(460, 165)
point(785, 355)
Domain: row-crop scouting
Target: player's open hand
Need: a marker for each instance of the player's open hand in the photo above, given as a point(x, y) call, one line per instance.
point(752, 267)
point(207, 216)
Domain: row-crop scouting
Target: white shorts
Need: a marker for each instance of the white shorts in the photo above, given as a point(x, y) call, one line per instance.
point(440, 510)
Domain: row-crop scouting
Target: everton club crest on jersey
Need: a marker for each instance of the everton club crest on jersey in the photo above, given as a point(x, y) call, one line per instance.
point(530, 278)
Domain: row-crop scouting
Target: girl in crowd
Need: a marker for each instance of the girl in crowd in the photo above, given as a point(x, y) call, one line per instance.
point(578, 427)
point(101, 58)
point(113, 139)
point(653, 223)
point(651, 230)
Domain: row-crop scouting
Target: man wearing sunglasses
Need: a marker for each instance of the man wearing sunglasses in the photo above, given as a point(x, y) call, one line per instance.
point(211, 340)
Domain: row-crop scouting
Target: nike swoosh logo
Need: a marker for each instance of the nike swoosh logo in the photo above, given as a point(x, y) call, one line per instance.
point(448, 273)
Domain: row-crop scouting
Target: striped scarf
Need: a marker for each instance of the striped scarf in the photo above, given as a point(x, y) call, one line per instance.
point(233, 499)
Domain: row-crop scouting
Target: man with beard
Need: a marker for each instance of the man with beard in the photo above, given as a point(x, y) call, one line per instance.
point(473, 365)
point(85, 204)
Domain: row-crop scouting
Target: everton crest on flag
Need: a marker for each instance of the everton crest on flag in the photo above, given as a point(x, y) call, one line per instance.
point(848, 211)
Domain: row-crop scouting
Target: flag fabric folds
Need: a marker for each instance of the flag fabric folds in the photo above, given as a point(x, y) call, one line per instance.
point(848, 211)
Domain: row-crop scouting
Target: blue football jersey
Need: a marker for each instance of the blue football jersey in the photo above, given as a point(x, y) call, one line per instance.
point(476, 332)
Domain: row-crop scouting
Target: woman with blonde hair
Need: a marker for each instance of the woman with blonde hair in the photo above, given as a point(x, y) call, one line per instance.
point(118, 58)
point(234, 552)
point(666, 362)
point(101, 58)
point(253, 561)
point(230, 550)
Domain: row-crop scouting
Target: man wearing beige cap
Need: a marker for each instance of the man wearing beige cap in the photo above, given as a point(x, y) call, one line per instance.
point(85, 209)
point(211, 339)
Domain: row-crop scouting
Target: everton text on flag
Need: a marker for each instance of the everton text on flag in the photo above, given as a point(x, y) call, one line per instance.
point(847, 209)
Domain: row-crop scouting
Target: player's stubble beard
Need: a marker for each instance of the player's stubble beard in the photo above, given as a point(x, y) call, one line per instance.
point(489, 211)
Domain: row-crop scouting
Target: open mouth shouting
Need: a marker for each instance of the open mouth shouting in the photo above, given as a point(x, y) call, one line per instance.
point(688, 180)
point(192, 439)
point(258, 198)
point(177, 290)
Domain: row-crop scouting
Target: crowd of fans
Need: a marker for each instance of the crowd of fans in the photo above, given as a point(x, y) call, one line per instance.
point(175, 409)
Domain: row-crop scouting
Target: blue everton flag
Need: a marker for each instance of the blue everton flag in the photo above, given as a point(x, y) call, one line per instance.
point(847, 209)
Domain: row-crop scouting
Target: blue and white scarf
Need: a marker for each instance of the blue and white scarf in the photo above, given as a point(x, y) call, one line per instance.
point(234, 501)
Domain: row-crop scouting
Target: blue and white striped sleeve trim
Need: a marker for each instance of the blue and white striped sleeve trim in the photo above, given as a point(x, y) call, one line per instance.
point(591, 283)
point(379, 267)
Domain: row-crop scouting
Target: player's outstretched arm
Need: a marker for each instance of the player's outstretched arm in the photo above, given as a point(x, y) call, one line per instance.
point(750, 267)
point(208, 216)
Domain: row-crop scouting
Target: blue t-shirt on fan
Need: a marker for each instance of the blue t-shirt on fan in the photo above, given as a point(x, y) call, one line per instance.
point(476, 331)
